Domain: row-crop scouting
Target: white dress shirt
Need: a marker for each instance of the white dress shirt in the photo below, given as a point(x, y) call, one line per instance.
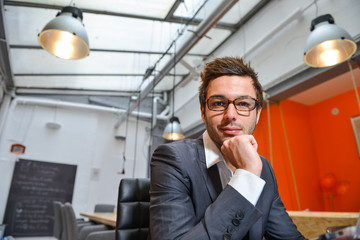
point(246, 183)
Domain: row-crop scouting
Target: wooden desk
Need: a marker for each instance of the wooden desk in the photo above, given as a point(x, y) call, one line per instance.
point(103, 218)
point(313, 224)
point(310, 224)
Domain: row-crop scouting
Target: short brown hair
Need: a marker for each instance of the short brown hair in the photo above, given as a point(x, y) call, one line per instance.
point(229, 66)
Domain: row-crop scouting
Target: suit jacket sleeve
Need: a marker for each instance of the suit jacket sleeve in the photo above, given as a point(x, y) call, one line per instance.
point(278, 223)
point(173, 206)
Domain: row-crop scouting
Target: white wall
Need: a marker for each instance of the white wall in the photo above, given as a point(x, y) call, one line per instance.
point(273, 41)
point(279, 55)
point(187, 106)
point(86, 138)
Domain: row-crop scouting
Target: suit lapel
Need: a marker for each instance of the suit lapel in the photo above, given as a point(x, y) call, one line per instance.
point(211, 175)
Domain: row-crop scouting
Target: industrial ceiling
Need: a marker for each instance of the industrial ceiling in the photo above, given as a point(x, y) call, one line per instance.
point(127, 39)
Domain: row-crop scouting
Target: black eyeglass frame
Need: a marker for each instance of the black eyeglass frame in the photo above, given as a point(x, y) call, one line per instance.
point(233, 102)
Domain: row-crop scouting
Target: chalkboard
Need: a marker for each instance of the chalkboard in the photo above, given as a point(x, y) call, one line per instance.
point(34, 187)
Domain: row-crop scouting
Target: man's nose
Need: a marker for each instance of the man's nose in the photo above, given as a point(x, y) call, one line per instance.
point(231, 112)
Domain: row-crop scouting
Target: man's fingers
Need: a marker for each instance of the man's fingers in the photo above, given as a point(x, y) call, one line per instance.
point(241, 152)
point(254, 143)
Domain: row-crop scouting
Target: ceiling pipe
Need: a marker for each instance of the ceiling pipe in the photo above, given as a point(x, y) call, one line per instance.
point(71, 105)
point(202, 29)
point(155, 102)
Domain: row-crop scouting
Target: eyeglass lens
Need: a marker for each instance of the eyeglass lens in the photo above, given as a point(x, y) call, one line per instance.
point(244, 103)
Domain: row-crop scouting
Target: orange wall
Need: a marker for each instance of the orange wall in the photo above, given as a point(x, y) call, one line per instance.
point(336, 148)
point(319, 142)
point(298, 128)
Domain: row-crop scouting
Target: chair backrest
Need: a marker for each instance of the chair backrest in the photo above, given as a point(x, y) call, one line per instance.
point(63, 225)
point(104, 208)
point(70, 224)
point(58, 222)
point(102, 235)
point(132, 220)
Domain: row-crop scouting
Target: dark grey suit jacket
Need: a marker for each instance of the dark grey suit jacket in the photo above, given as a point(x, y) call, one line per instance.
point(188, 202)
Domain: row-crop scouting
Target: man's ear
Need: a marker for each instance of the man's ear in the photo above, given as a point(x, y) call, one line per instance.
point(258, 112)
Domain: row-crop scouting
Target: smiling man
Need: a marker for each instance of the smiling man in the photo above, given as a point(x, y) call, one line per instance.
point(218, 186)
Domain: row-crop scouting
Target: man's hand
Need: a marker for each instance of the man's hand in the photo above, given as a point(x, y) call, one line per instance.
point(240, 152)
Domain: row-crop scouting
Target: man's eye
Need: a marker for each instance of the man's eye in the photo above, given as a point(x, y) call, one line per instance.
point(243, 104)
point(218, 103)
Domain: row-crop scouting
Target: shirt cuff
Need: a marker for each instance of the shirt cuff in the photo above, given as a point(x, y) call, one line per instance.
point(247, 184)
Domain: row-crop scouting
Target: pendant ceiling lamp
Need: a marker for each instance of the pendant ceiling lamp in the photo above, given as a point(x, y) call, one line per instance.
point(65, 35)
point(327, 44)
point(173, 131)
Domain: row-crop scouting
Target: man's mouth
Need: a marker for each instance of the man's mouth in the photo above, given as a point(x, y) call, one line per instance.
point(231, 130)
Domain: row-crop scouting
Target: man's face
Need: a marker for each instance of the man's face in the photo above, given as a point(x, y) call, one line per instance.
point(222, 125)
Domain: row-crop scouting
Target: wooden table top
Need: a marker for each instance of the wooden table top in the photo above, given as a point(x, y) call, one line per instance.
point(313, 224)
point(352, 215)
point(103, 218)
point(310, 224)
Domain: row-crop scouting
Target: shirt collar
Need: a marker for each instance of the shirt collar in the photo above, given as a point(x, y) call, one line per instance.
point(212, 153)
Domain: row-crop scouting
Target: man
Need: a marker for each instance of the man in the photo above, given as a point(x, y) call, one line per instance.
point(217, 186)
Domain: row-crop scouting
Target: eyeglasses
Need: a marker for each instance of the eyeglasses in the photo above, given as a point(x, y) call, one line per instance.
point(243, 103)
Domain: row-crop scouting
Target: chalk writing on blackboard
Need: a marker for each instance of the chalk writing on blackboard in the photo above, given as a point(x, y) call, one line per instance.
point(34, 187)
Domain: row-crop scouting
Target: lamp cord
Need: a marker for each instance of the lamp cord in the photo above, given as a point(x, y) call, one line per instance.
point(180, 33)
point(126, 133)
point(243, 32)
point(289, 157)
point(269, 128)
point(317, 8)
point(136, 136)
point(354, 83)
point(173, 90)
point(151, 141)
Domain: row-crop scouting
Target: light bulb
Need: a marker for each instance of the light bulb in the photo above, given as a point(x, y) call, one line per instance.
point(64, 46)
point(330, 57)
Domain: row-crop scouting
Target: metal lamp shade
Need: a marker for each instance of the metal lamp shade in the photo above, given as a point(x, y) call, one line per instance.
point(327, 44)
point(173, 130)
point(65, 35)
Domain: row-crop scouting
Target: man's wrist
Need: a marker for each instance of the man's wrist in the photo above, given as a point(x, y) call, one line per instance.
point(247, 184)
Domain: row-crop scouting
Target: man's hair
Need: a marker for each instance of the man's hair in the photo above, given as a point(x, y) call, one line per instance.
point(228, 66)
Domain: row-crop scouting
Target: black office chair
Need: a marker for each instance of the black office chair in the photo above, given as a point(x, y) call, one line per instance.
point(132, 220)
point(104, 208)
point(102, 235)
point(73, 230)
point(60, 226)
point(58, 220)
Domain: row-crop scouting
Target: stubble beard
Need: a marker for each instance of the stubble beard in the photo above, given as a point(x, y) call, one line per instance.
point(215, 136)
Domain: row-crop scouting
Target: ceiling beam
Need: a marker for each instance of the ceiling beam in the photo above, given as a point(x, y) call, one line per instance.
point(202, 29)
point(5, 68)
point(76, 92)
point(173, 9)
point(87, 75)
point(170, 19)
point(16, 46)
point(243, 20)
